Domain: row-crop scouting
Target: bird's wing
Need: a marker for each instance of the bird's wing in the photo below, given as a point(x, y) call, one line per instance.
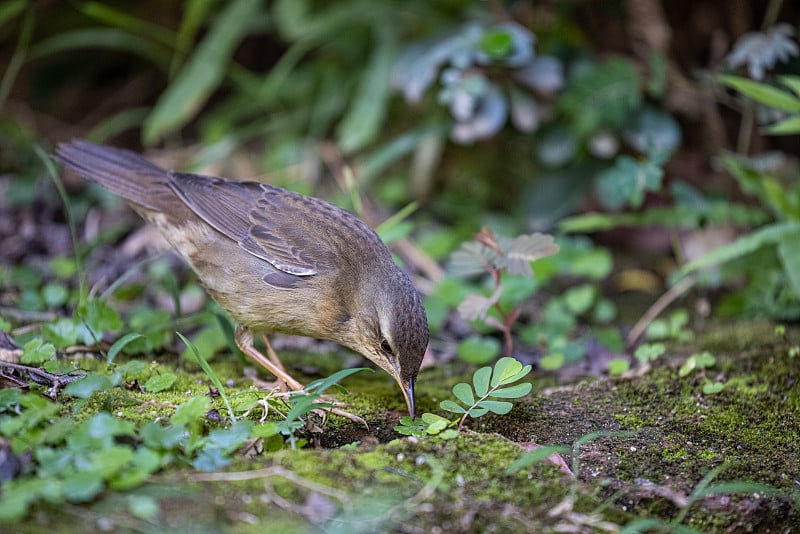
point(252, 214)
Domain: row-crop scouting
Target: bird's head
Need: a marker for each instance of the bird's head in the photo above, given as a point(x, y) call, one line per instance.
point(391, 329)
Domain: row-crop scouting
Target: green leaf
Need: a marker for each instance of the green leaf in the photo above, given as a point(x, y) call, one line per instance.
point(497, 44)
point(143, 507)
point(435, 423)
point(513, 392)
point(368, 109)
point(436, 427)
point(62, 332)
point(210, 373)
point(450, 433)
point(596, 263)
point(82, 486)
point(766, 235)
point(463, 392)
point(319, 386)
point(504, 369)
point(478, 350)
point(131, 369)
point(109, 38)
point(265, 430)
point(477, 411)
point(787, 126)
point(761, 92)
point(231, 438)
point(627, 181)
point(98, 317)
point(36, 352)
point(203, 71)
point(191, 411)
point(710, 388)
point(451, 406)
point(552, 361)
point(480, 380)
point(610, 338)
point(618, 366)
point(658, 329)
point(792, 82)
point(105, 426)
point(410, 427)
point(498, 407)
point(10, 9)
point(649, 351)
point(159, 437)
point(535, 456)
point(602, 96)
point(9, 399)
point(120, 344)
point(704, 359)
point(789, 254)
point(580, 298)
point(20, 493)
point(109, 461)
point(55, 295)
point(160, 382)
point(210, 460)
point(471, 259)
point(88, 386)
point(303, 404)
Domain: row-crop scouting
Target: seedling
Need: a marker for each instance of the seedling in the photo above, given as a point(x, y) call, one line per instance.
point(700, 361)
point(497, 255)
point(477, 399)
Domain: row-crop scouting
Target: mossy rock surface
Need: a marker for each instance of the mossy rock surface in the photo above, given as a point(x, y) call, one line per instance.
point(663, 437)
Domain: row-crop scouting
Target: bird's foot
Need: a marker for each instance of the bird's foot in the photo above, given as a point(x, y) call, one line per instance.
point(278, 390)
point(335, 407)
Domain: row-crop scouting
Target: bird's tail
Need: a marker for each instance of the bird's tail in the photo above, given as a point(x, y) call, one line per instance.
point(120, 171)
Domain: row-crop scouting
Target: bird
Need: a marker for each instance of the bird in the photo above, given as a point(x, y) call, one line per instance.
point(277, 261)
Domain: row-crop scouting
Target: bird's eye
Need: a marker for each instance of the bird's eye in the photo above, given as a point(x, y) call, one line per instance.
point(385, 347)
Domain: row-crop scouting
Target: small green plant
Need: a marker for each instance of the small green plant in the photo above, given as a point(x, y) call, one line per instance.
point(302, 404)
point(794, 349)
point(672, 328)
point(786, 102)
point(487, 394)
point(504, 260)
point(75, 462)
point(648, 352)
point(700, 362)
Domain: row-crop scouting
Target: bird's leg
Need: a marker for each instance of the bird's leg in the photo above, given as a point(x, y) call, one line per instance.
point(244, 340)
point(271, 353)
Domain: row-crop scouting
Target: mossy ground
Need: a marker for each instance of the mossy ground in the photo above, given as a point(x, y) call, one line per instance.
point(679, 435)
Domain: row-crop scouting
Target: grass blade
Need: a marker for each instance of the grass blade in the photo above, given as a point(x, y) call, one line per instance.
point(211, 374)
point(203, 72)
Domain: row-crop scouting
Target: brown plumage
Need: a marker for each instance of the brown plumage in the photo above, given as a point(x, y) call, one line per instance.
point(277, 261)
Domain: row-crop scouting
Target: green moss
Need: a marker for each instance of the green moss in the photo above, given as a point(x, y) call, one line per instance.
point(752, 427)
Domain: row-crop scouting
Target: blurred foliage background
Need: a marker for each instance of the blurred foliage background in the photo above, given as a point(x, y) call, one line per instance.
point(610, 124)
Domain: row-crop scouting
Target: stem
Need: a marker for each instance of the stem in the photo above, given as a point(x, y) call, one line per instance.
point(771, 15)
point(745, 129)
point(464, 417)
point(73, 229)
point(508, 319)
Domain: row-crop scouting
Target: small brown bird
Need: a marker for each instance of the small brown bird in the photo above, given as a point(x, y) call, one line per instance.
point(276, 260)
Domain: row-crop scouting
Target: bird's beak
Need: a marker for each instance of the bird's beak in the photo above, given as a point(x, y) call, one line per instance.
point(408, 392)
